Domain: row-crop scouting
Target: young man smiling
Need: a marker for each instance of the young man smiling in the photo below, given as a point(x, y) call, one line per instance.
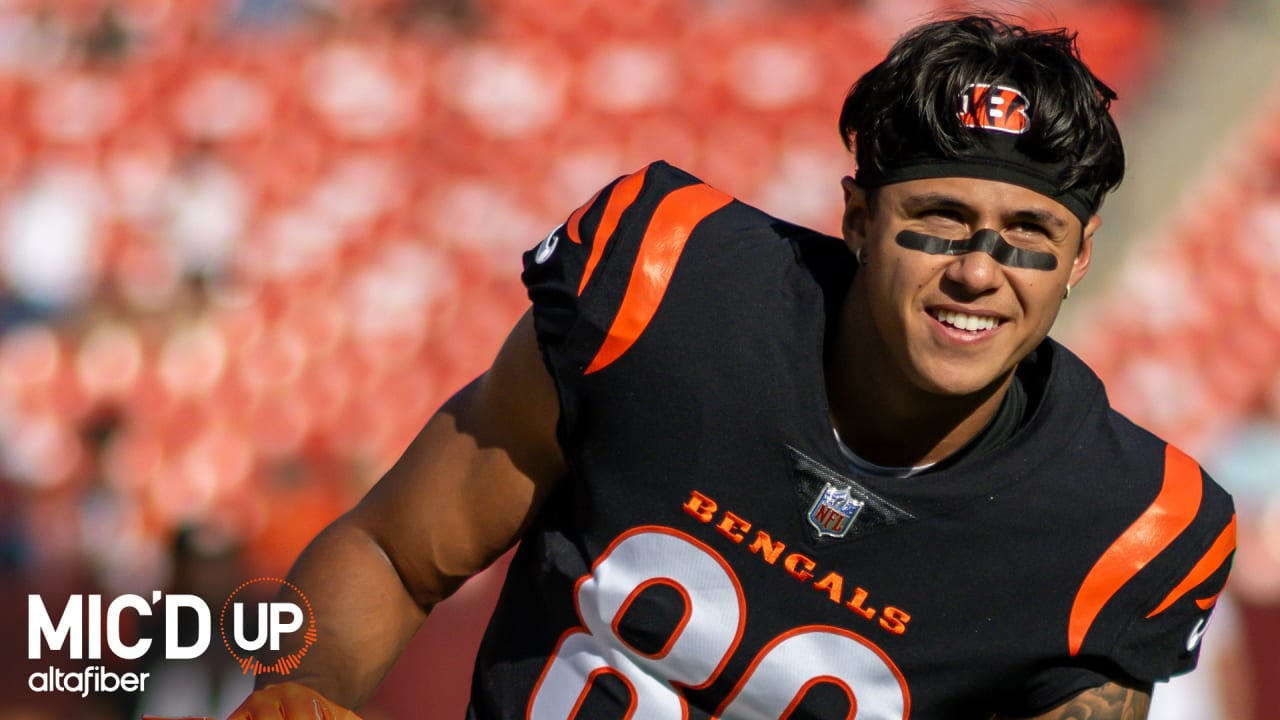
point(760, 472)
point(934, 337)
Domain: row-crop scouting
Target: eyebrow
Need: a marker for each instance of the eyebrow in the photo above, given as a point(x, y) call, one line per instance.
point(1042, 217)
point(933, 199)
point(936, 199)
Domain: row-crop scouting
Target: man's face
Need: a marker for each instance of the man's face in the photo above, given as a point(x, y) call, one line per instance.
point(955, 324)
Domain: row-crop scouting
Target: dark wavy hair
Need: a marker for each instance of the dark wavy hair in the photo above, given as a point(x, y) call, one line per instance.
point(906, 106)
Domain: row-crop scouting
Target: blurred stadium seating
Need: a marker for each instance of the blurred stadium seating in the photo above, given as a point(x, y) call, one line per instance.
point(247, 247)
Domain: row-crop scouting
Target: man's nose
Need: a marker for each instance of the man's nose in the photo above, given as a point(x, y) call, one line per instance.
point(976, 271)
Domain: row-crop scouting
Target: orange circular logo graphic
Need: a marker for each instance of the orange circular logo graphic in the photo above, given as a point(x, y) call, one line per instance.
point(290, 612)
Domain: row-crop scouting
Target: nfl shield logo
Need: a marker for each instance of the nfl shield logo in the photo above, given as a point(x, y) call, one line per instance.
point(833, 512)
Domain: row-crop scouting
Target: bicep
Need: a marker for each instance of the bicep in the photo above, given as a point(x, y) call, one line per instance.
point(1111, 701)
point(474, 477)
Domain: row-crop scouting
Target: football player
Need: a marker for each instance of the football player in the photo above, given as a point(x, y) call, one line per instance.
point(759, 472)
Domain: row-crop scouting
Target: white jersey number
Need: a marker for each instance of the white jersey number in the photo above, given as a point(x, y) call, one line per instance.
point(701, 643)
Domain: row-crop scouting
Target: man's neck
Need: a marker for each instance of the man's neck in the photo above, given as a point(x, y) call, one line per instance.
point(887, 420)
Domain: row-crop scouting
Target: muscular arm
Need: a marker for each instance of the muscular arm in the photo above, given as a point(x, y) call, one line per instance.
point(428, 524)
point(1112, 701)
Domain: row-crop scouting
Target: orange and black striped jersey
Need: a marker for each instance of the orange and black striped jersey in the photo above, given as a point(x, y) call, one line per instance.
point(713, 555)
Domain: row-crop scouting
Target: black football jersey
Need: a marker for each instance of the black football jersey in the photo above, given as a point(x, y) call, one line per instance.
point(713, 555)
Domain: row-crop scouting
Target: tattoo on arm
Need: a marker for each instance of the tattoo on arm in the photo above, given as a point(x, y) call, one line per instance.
point(1112, 701)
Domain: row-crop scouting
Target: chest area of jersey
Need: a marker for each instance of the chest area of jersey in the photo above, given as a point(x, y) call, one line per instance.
point(715, 617)
point(726, 604)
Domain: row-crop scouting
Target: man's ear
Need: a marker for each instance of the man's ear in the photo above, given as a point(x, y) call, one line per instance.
point(856, 212)
point(1080, 264)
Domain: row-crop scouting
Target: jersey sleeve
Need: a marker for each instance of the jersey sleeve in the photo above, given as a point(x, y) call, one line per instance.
point(558, 269)
point(1140, 611)
point(580, 269)
point(596, 280)
point(1146, 600)
point(1169, 618)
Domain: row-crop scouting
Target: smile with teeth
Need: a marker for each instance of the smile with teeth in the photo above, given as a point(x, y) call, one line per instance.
point(962, 321)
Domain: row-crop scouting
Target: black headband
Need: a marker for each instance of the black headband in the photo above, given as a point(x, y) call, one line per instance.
point(995, 155)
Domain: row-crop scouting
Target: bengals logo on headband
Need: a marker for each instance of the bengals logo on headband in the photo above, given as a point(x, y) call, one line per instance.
point(994, 107)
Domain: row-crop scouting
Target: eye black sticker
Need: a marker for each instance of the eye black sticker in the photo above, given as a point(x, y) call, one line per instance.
point(988, 241)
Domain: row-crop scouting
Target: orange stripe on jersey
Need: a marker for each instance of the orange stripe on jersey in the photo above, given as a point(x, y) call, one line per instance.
point(1206, 603)
point(624, 194)
point(660, 249)
point(573, 228)
point(1212, 560)
point(1173, 510)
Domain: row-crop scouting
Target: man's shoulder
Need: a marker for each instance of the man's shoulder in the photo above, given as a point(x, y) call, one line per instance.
point(1119, 454)
point(677, 215)
point(659, 181)
point(658, 249)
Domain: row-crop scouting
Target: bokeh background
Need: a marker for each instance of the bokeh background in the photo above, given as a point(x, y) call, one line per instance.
point(247, 247)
